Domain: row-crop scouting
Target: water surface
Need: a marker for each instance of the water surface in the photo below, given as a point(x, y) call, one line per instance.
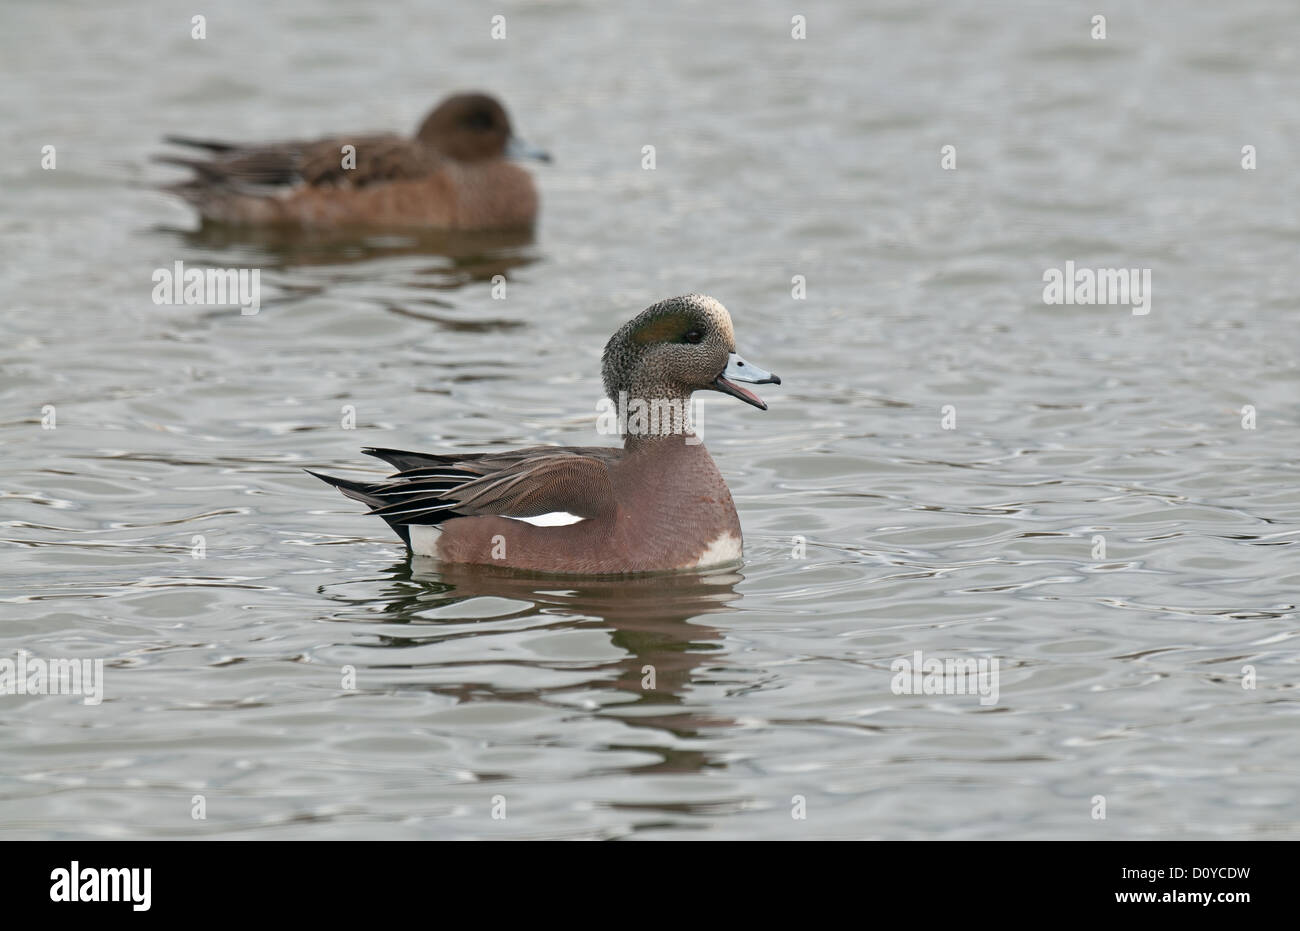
point(871, 530)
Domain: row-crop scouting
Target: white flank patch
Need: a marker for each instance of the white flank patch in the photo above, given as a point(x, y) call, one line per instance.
point(724, 549)
point(553, 519)
point(424, 539)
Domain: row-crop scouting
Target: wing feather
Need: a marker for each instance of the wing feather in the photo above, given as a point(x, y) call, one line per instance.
point(522, 483)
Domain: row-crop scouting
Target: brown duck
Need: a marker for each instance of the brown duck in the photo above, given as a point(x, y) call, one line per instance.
point(455, 174)
point(657, 504)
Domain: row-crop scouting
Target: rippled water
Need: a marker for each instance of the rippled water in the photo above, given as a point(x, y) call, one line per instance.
point(1121, 673)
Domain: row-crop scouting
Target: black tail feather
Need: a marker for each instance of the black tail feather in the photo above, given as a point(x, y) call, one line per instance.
point(404, 460)
point(400, 504)
point(359, 491)
point(210, 144)
point(203, 169)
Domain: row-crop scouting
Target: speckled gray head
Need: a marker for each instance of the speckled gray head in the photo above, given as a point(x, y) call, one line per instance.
point(676, 347)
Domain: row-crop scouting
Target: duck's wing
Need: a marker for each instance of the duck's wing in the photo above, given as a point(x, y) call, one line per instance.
point(370, 160)
point(522, 483)
point(242, 168)
point(333, 162)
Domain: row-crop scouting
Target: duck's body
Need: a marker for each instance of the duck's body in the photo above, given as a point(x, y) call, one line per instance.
point(495, 195)
point(658, 504)
point(586, 510)
point(455, 174)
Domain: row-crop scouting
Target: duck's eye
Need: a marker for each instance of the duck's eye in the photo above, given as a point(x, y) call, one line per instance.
point(480, 120)
point(693, 336)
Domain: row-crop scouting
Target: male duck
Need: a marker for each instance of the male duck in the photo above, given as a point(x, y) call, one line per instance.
point(657, 504)
point(454, 175)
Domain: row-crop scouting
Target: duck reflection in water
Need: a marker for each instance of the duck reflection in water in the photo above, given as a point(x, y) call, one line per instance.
point(652, 620)
point(470, 255)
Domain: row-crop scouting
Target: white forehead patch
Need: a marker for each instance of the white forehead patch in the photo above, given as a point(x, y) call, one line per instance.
point(717, 313)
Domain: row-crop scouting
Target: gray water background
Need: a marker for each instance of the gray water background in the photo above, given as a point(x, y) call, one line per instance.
point(1120, 676)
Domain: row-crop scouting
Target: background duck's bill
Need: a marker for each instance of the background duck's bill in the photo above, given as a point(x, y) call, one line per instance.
point(517, 148)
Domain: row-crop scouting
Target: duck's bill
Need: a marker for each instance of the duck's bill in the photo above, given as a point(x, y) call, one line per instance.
point(739, 370)
point(517, 148)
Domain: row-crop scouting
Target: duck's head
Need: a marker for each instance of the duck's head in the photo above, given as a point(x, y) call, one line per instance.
point(474, 127)
point(676, 347)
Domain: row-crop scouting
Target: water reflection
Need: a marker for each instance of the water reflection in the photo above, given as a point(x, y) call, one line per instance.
point(473, 256)
point(651, 620)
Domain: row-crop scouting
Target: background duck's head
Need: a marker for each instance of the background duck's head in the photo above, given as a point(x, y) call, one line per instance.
point(473, 127)
point(676, 347)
